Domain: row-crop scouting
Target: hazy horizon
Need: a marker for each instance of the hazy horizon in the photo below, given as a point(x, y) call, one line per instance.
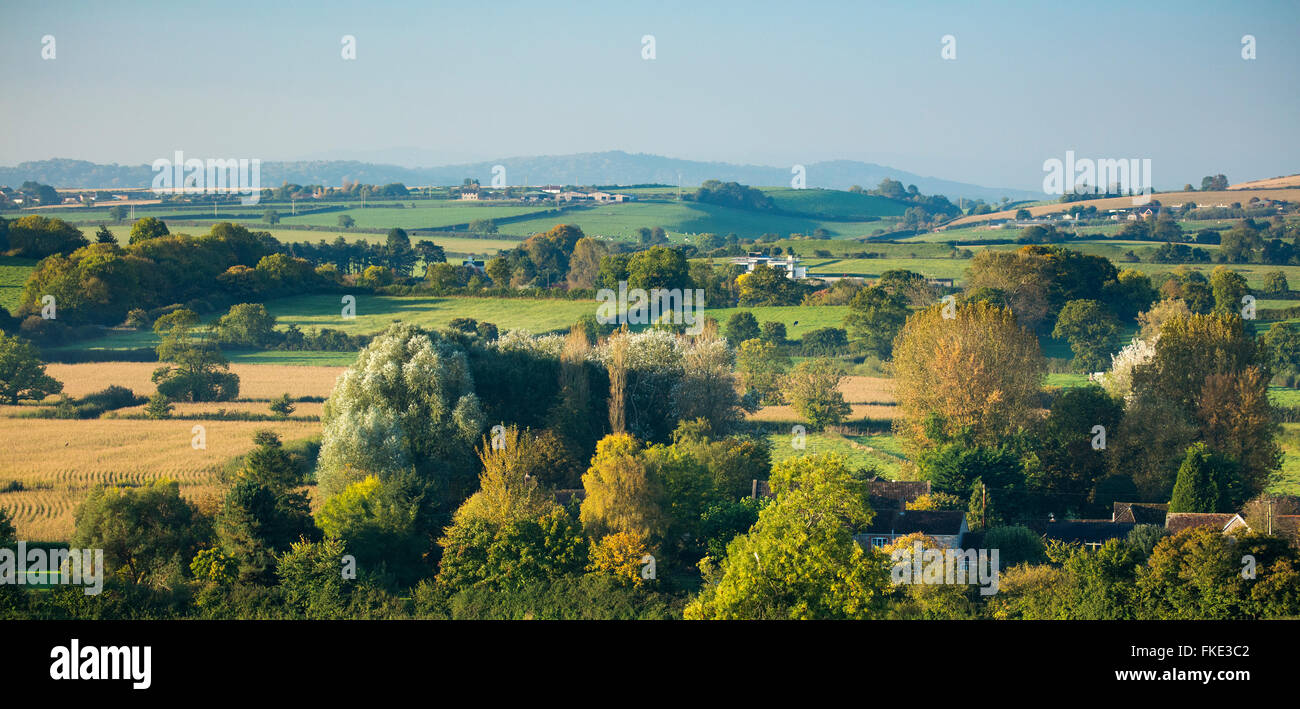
point(764, 84)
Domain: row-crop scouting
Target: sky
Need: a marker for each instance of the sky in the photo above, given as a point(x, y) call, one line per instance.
point(755, 82)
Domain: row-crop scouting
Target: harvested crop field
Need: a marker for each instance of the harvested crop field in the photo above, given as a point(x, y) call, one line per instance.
point(57, 461)
point(256, 381)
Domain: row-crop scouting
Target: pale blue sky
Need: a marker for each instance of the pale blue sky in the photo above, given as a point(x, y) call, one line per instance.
point(773, 83)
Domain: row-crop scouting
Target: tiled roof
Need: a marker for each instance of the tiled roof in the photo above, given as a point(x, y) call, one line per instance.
point(1179, 521)
point(931, 522)
point(904, 490)
point(1140, 512)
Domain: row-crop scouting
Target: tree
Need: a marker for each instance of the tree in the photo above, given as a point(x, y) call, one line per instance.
point(117, 213)
point(978, 370)
point(1207, 482)
point(1092, 331)
point(624, 494)
point(773, 332)
point(406, 404)
point(813, 389)
point(875, 317)
point(742, 326)
point(148, 533)
point(1229, 288)
point(584, 264)
point(1015, 545)
point(765, 285)
point(800, 559)
point(159, 406)
point(1275, 283)
point(271, 216)
point(104, 236)
point(1064, 466)
point(346, 221)
point(620, 554)
point(22, 373)
point(199, 372)
point(380, 525)
point(509, 485)
point(246, 325)
point(762, 369)
point(282, 406)
point(397, 248)
point(521, 554)
point(146, 229)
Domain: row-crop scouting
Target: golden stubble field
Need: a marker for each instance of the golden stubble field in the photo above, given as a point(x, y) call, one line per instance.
point(57, 461)
point(869, 397)
point(256, 381)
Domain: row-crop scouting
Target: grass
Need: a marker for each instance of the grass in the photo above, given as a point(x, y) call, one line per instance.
point(453, 245)
point(798, 319)
point(13, 274)
point(1288, 480)
point(683, 219)
point(835, 204)
point(875, 451)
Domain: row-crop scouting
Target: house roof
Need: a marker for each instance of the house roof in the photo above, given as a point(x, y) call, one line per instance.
point(902, 490)
point(931, 522)
point(1083, 531)
point(1140, 512)
point(1177, 522)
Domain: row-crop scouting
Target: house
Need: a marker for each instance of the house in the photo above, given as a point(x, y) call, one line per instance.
point(1091, 533)
point(1139, 512)
point(469, 195)
point(790, 264)
point(946, 527)
point(941, 282)
point(1226, 522)
point(572, 196)
point(475, 265)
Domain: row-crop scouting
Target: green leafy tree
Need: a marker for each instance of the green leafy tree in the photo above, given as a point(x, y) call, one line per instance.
point(148, 533)
point(146, 229)
point(1229, 287)
point(22, 373)
point(282, 406)
point(813, 389)
point(1092, 331)
point(1206, 482)
point(623, 492)
point(875, 317)
point(246, 325)
point(742, 326)
point(762, 368)
point(159, 406)
point(800, 559)
point(198, 371)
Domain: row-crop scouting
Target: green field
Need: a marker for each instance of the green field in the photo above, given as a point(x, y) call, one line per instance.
point(13, 274)
point(453, 245)
point(835, 204)
point(879, 451)
point(683, 219)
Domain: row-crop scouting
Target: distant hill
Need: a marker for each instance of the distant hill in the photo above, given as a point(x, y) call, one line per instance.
point(1270, 183)
point(606, 168)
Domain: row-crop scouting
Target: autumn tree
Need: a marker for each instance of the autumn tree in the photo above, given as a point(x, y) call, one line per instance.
point(624, 493)
point(978, 371)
